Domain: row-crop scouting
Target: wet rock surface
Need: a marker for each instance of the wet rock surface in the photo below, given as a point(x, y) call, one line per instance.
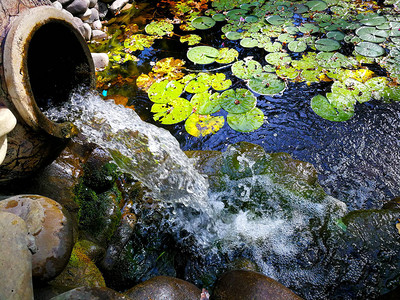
point(48, 222)
point(15, 258)
point(164, 287)
point(90, 293)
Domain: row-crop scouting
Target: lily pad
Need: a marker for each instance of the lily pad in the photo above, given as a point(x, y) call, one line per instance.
point(266, 84)
point(233, 35)
point(251, 19)
point(297, 46)
point(370, 34)
point(238, 101)
point(335, 35)
point(159, 28)
point(246, 69)
point(206, 103)
point(286, 38)
point(165, 91)
point(227, 55)
point(220, 83)
point(203, 55)
point(248, 42)
point(247, 122)
point(327, 45)
point(369, 49)
point(275, 20)
point(278, 59)
point(316, 5)
point(191, 39)
point(309, 28)
point(199, 84)
point(323, 108)
point(219, 17)
point(287, 72)
point(236, 14)
point(373, 20)
point(272, 47)
point(201, 125)
point(203, 23)
point(172, 112)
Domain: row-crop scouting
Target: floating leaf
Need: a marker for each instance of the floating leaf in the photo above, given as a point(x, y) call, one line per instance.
point(172, 112)
point(369, 49)
point(159, 28)
point(247, 122)
point(219, 82)
point(373, 20)
point(297, 46)
point(219, 17)
point(335, 35)
point(316, 5)
point(165, 91)
point(275, 20)
point(236, 14)
point(334, 60)
point(191, 39)
point(202, 54)
point(327, 45)
point(300, 9)
point(199, 84)
point(272, 47)
point(227, 55)
point(278, 59)
point(138, 42)
point(287, 72)
point(361, 75)
point(251, 19)
point(233, 35)
point(370, 34)
point(206, 103)
point(201, 125)
point(203, 23)
point(309, 28)
point(266, 84)
point(323, 108)
point(377, 85)
point(237, 101)
point(248, 42)
point(286, 38)
point(246, 69)
point(291, 30)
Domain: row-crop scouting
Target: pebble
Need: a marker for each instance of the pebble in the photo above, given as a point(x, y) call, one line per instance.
point(99, 35)
point(100, 60)
point(78, 7)
point(117, 5)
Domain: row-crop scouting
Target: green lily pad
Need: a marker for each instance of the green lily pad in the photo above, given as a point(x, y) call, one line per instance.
point(199, 84)
point(220, 83)
point(248, 42)
point(206, 103)
point(247, 122)
point(291, 29)
point(278, 59)
point(269, 69)
point(327, 45)
point(310, 75)
point(370, 34)
point(172, 112)
point(275, 20)
point(360, 91)
point(227, 55)
point(201, 125)
point(300, 9)
point(286, 38)
point(159, 28)
point(335, 60)
point(203, 23)
point(287, 72)
point(233, 35)
point(236, 14)
point(342, 102)
point(266, 84)
point(191, 39)
point(297, 46)
point(323, 108)
point(246, 69)
point(322, 18)
point(316, 5)
point(165, 91)
point(373, 20)
point(369, 49)
point(238, 101)
point(377, 86)
point(309, 28)
point(335, 35)
point(202, 55)
point(251, 19)
point(272, 47)
point(219, 17)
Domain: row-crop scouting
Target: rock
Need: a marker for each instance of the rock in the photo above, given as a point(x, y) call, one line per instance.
point(57, 5)
point(243, 284)
point(100, 60)
point(103, 10)
point(164, 287)
point(92, 3)
point(65, 2)
point(102, 293)
point(86, 16)
point(48, 223)
point(15, 258)
point(77, 22)
point(99, 35)
point(96, 25)
point(86, 31)
point(69, 15)
point(45, 292)
point(94, 16)
point(80, 271)
point(117, 5)
point(78, 7)
point(7, 123)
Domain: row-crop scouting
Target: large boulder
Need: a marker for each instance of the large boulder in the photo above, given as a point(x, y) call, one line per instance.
point(243, 284)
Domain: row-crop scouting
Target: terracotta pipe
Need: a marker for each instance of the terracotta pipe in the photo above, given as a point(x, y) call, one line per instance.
point(44, 58)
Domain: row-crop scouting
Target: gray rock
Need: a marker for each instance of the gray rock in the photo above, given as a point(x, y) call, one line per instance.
point(77, 22)
point(103, 9)
point(65, 2)
point(99, 35)
point(78, 7)
point(90, 293)
point(57, 5)
point(94, 16)
point(164, 287)
point(117, 6)
point(15, 259)
point(86, 16)
point(51, 228)
point(86, 31)
point(92, 3)
point(96, 25)
point(68, 13)
point(100, 60)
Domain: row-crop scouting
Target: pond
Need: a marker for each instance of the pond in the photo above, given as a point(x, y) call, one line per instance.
point(314, 79)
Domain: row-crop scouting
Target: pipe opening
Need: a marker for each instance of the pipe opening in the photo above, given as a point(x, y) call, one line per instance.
point(56, 64)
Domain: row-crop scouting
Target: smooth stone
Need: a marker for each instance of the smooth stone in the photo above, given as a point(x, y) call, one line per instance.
point(100, 60)
point(102, 293)
point(86, 31)
point(78, 7)
point(103, 10)
point(15, 258)
point(7, 121)
point(99, 35)
point(92, 3)
point(244, 284)
point(117, 5)
point(57, 5)
point(165, 287)
point(86, 16)
point(3, 147)
point(96, 25)
point(94, 16)
point(48, 223)
point(65, 2)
